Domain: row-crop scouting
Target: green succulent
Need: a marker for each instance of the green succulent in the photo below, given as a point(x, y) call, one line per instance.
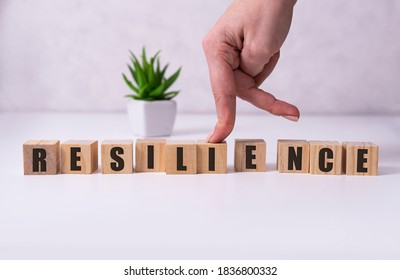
point(148, 79)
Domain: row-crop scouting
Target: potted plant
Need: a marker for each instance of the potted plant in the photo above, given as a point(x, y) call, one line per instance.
point(151, 110)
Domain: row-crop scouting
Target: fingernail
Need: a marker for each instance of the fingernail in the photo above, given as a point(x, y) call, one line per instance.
point(291, 118)
point(210, 135)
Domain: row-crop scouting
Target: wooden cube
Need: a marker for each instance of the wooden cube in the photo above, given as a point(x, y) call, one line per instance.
point(181, 157)
point(293, 156)
point(250, 155)
point(360, 158)
point(211, 157)
point(41, 157)
point(79, 157)
point(150, 155)
point(325, 157)
point(117, 157)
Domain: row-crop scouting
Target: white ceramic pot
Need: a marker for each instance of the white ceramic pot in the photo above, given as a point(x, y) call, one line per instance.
point(152, 118)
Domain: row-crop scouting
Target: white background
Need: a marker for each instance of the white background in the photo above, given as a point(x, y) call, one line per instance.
point(340, 56)
point(266, 215)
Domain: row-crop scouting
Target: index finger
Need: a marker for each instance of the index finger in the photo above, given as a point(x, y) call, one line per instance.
point(221, 62)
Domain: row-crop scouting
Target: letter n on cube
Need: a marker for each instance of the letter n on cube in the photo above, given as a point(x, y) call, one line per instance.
point(293, 156)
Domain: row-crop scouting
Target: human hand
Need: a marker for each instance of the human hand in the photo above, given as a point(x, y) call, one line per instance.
point(242, 50)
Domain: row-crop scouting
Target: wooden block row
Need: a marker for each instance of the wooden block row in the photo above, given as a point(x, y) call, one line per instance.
point(180, 157)
point(152, 155)
point(327, 157)
point(42, 157)
point(190, 157)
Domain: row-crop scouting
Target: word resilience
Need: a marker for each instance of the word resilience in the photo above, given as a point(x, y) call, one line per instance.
point(47, 157)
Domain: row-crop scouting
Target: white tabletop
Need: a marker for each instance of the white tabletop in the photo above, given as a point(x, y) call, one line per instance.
point(231, 216)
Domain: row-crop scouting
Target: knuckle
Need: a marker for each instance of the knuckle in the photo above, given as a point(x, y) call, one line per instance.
point(262, 50)
point(208, 42)
point(213, 44)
